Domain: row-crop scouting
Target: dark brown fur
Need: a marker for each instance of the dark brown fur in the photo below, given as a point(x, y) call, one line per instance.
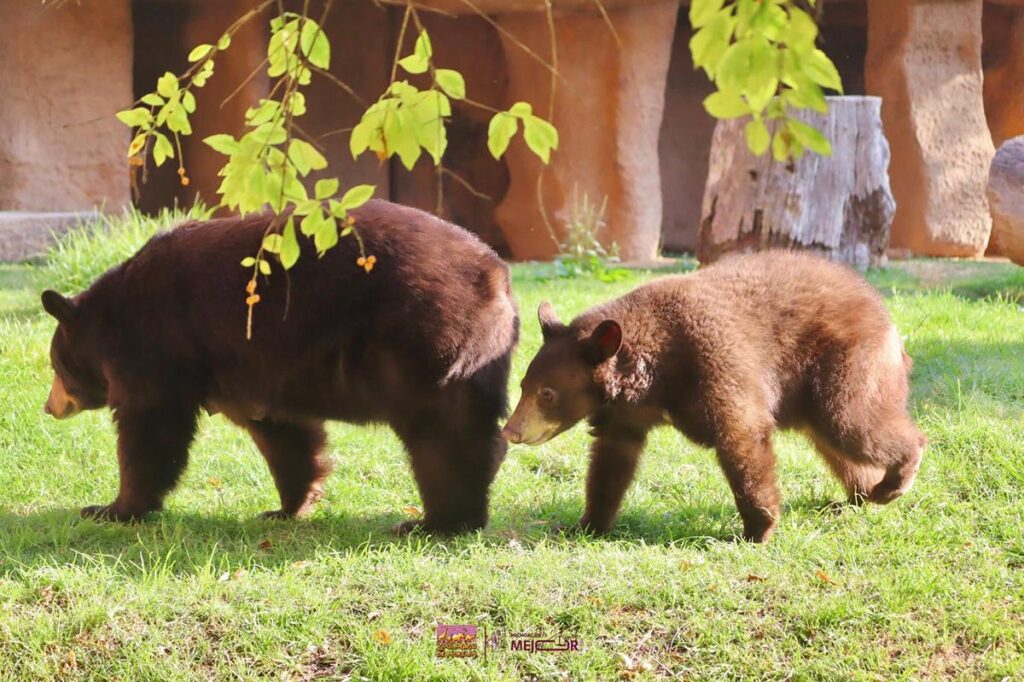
point(728, 355)
point(423, 343)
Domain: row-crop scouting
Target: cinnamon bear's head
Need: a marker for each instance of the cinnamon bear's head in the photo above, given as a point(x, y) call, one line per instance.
point(77, 384)
point(559, 388)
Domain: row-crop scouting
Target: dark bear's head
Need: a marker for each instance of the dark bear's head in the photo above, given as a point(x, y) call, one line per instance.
point(77, 384)
point(559, 388)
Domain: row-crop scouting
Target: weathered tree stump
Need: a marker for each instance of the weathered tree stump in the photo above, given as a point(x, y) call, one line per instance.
point(840, 206)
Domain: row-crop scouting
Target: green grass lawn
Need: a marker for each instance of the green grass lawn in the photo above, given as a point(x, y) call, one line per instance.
point(928, 587)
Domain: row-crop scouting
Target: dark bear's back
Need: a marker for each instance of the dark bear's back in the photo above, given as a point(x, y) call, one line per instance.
point(329, 339)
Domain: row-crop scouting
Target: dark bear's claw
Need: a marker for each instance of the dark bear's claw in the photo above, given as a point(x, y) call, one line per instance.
point(107, 512)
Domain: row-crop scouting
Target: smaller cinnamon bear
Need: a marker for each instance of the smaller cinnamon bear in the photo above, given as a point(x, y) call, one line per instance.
point(727, 355)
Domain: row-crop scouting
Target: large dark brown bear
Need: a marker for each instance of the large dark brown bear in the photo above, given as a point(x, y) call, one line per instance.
point(728, 355)
point(422, 343)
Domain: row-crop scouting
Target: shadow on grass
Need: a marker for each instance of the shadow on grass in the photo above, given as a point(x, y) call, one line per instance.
point(185, 542)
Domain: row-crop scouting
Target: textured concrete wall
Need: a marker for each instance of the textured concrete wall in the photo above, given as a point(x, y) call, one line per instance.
point(924, 60)
point(63, 73)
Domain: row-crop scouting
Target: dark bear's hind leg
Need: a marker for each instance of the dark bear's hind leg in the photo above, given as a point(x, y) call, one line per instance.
point(294, 453)
point(152, 451)
point(454, 468)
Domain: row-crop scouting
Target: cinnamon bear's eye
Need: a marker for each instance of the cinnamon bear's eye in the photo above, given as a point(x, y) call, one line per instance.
point(547, 395)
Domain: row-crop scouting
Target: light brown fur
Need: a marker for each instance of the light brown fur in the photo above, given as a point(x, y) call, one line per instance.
point(727, 355)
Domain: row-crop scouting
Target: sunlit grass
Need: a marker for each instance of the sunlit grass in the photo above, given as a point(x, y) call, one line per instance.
point(929, 587)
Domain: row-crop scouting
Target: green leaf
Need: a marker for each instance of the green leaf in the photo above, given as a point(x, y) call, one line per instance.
point(248, 262)
point(414, 64)
point(709, 43)
point(289, 245)
point(325, 188)
point(199, 51)
point(359, 141)
point(726, 105)
point(521, 109)
point(540, 136)
point(162, 149)
point(224, 42)
point(272, 243)
point(780, 145)
point(153, 99)
point(500, 131)
point(135, 118)
point(802, 28)
point(820, 69)
point(223, 143)
point(702, 11)
point(400, 138)
point(356, 197)
point(311, 223)
point(326, 235)
point(315, 45)
point(264, 267)
point(758, 137)
point(305, 156)
point(188, 101)
point(177, 121)
point(734, 66)
point(809, 137)
point(451, 82)
point(167, 85)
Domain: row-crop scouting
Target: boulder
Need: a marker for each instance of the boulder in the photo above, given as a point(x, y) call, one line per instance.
point(1006, 199)
point(924, 60)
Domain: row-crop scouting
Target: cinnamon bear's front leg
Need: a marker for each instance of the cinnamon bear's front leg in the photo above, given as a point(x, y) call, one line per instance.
point(152, 451)
point(614, 456)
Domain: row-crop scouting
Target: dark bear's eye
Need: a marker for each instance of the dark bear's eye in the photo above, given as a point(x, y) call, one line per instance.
point(547, 395)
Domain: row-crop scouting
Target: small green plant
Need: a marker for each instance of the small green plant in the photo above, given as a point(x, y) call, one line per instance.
point(581, 254)
point(80, 256)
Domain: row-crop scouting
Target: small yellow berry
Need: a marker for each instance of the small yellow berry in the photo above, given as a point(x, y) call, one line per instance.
point(250, 286)
point(181, 171)
point(360, 261)
point(368, 266)
point(184, 181)
point(253, 300)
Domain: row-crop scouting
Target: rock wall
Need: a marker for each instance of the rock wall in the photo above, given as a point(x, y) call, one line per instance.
point(1003, 61)
point(65, 71)
point(924, 59)
point(608, 109)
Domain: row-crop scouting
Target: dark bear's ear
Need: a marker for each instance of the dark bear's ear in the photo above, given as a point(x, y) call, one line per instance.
point(61, 307)
point(604, 342)
point(550, 325)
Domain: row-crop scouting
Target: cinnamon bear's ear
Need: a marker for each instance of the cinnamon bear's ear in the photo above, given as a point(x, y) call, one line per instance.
point(604, 342)
point(550, 325)
point(61, 307)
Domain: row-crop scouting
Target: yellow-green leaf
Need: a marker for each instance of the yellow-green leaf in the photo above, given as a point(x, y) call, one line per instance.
point(451, 82)
point(289, 245)
point(356, 196)
point(702, 11)
point(500, 131)
point(726, 105)
point(135, 118)
point(199, 51)
point(162, 149)
point(167, 85)
point(758, 137)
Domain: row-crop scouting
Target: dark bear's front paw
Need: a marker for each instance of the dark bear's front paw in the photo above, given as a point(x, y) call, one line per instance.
point(435, 528)
point(110, 512)
point(406, 527)
point(581, 527)
point(277, 515)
